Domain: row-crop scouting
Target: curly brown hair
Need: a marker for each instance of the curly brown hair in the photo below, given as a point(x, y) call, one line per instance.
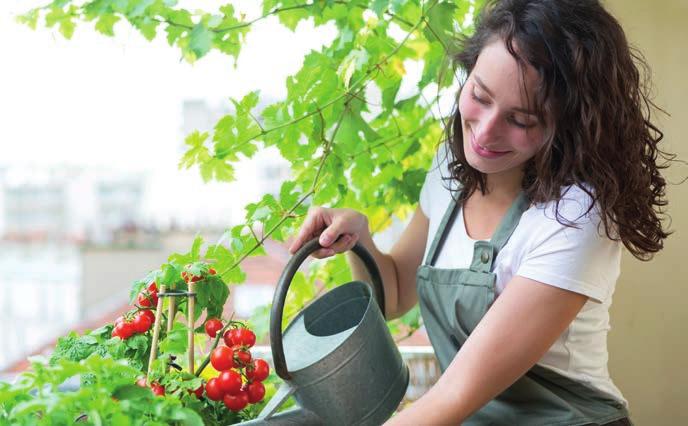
point(600, 135)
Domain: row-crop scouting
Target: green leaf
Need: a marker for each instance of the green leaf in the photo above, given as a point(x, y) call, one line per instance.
point(200, 40)
point(187, 416)
point(354, 61)
point(291, 18)
point(73, 347)
point(217, 169)
point(197, 152)
point(29, 18)
point(176, 341)
point(379, 7)
point(196, 248)
point(106, 23)
point(440, 23)
point(132, 392)
point(139, 8)
point(146, 26)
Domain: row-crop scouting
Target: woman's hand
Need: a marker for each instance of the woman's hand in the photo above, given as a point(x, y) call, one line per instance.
point(338, 229)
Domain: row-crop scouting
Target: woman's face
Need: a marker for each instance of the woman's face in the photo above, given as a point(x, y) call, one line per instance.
point(500, 130)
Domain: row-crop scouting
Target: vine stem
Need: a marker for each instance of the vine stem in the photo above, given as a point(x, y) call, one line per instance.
point(218, 336)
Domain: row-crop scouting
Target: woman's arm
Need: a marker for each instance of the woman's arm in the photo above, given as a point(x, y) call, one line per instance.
point(519, 328)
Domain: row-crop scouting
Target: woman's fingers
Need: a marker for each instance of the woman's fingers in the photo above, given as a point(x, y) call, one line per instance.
point(310, 228)
point(332, 227)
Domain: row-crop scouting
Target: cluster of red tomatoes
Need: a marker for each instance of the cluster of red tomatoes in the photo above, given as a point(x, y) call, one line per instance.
point(195, 278)
point(138, 321)
point(141, 320)
point(241, 376)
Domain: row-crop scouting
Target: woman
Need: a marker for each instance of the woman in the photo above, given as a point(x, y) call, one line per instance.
point(550, 168)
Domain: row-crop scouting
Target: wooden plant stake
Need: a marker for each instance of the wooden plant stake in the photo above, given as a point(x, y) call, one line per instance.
point(156, 334)
point(190, 323)
point(171, 310)
point(171, 313)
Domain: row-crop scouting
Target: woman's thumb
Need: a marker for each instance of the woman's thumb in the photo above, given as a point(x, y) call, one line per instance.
point(328, 236)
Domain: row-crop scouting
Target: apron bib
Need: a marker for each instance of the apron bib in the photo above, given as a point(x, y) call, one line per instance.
point(453, 301)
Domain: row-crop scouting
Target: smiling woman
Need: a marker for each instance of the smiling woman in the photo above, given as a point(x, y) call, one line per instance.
point(551, 170)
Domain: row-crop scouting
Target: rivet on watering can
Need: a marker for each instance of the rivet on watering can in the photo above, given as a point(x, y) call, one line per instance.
point(484, 257)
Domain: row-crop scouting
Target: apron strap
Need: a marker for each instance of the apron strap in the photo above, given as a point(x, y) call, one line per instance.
point(484, 252)
point(442, 231)
point(509, 222)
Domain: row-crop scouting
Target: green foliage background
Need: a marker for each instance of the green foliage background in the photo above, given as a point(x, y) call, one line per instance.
point(349, 137)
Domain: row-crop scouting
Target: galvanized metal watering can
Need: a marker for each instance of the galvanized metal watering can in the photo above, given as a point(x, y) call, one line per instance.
point(337, 357)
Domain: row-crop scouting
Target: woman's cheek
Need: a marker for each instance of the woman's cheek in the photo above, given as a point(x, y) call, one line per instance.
point(468, 108)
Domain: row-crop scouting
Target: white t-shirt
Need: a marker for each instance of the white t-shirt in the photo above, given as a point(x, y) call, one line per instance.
point(542, 249)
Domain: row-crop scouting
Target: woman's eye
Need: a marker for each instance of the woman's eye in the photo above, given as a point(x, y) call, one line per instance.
point(478, 99)
point(520, 124)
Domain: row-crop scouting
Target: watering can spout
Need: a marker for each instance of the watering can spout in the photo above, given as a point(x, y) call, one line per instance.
point(295, 416)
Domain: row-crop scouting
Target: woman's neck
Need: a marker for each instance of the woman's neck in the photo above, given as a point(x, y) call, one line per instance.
point(502, 188)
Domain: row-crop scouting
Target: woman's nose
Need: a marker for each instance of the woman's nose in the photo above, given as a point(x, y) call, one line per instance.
point(487, 128)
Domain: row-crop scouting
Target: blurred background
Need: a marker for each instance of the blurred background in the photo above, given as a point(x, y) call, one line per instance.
point(91, 197)
point(92, 129)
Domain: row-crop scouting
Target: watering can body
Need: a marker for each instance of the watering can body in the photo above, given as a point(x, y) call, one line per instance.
point(337, 357)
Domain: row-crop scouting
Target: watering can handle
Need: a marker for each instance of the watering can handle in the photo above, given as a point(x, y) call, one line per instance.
point(283, 286)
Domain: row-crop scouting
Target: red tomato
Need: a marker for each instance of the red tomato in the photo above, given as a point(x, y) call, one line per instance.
point(255, 391)
point(213, 390)
point(242, 357)
point(127, 330)
point(196, 278)
point(148, 313)
point(222, 358)
point(123, 330)
point(236, 402)
point(231, 337)
point(258, 370)
point(212, 326)
point(158, 390)
point(198, 392)
point(245, 337)
point(211, 271)
point(147, 298)
point(230, 382)
point(152, 287)
point(141, 323)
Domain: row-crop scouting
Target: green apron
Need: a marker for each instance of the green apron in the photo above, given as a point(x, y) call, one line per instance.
point(453, 301)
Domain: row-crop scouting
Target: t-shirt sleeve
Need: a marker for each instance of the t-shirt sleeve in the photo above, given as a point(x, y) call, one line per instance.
point(435, 187)
point(426, 190)
point(583, 259)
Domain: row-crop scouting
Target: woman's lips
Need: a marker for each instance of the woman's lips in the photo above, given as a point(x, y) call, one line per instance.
point(484, 152)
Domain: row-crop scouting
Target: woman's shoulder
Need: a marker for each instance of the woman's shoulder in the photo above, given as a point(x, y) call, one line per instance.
point(575, 206)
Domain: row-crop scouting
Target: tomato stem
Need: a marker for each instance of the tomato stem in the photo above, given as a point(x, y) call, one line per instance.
point(206, 361)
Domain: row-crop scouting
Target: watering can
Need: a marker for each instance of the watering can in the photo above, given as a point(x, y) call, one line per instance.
point(336, 357)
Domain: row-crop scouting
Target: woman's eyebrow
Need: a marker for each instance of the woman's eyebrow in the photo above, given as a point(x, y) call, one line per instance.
point(489, 92)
